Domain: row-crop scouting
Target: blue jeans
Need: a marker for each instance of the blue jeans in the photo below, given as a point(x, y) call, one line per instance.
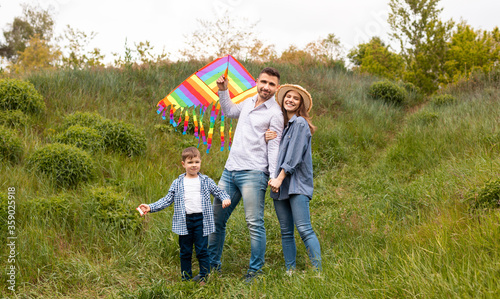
point(194, 223)
point(295, 211)
point(251, 185)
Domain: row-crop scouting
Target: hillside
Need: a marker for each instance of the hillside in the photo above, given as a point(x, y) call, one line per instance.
point(389, 207)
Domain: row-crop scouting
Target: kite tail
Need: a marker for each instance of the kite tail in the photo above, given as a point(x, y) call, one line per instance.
point(221, 131)
point(202, 129)
point(230, 133)
point(186, 121)
point(180, 117)
point(172, 122)
point(195, 121)
point(211, 129)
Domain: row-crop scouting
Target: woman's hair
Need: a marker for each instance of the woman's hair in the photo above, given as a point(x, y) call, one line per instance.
point(302, 111)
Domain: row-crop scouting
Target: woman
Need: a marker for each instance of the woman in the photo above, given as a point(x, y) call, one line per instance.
point(292, 189)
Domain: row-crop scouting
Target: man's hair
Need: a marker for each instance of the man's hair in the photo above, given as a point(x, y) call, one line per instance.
point(271, 72)
point(190, 153)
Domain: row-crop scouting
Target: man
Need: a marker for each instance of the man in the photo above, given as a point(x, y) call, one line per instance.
point(248, 166)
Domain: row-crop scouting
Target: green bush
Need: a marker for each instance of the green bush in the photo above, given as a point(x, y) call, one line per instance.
point(443, 99)
point(13, 118)
point(425, 118)
point(487, 196)
point(122, 137)
point(83, 137)
point(57, 208)
point(110, 207)
point(10, 145)
point(20, 95)
point(387, 91)
point(84, 119)
point(67, 165)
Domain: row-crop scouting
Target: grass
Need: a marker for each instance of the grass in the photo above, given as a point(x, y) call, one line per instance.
point(388, 207)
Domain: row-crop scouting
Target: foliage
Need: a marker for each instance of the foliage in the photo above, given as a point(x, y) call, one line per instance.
point(387, 91)
point(83, 137)
point(325, 50)
point(143, 55)
point(122, 137)
point(443, 99)
point(470, 50)
point(84, 119)
point(35, 21)
point(375, 58)
point(13, 118)
point(226, 35)
point(487, 196)
point(79, 57)
point(20, 95)
point(111, 207)
point(37, 55)
point(11, 148)
point(65, 164)
point(422, 37)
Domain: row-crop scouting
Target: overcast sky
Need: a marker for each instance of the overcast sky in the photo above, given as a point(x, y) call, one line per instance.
point(282, 23)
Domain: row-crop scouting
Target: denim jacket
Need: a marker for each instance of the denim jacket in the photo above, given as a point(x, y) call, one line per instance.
point(295, 159)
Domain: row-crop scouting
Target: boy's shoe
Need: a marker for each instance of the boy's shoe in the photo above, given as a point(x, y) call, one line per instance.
point(289, 272)
point(198, 278)
point(250, 276)
point(216, 269)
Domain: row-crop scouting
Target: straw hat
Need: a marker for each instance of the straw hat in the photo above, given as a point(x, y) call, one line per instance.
point(306, 97)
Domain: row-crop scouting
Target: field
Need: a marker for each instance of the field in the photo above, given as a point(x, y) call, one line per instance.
point(390, 204)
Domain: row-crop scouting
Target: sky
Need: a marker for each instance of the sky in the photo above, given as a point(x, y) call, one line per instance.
point(166, 24)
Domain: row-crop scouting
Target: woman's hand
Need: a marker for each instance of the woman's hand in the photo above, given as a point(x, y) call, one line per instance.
point(270, 135)
point(275, 184)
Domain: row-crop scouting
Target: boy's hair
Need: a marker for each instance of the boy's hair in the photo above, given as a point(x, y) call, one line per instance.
point(190, 153)
point(271, 72)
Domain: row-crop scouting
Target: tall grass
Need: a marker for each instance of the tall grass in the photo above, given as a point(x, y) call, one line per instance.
point(388, 204)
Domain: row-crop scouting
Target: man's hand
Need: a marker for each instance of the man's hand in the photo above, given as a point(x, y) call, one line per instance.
point(226, 203)
point(275, 184)
point(222, 83)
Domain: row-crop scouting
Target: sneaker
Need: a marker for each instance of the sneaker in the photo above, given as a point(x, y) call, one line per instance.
point(216, 269)
point(198, 278)
point(250, 276)
point(289, 273)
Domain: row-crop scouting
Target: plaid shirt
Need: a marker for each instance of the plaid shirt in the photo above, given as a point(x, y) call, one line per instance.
point(176, 195)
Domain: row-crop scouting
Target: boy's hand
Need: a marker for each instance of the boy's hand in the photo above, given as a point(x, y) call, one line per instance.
point(226, 203)
point(222, 83)
point(144, 208)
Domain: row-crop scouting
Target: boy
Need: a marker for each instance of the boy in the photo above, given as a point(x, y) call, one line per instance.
point(193, 218)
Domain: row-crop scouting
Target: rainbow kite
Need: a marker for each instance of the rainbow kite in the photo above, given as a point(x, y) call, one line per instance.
point(200, 90)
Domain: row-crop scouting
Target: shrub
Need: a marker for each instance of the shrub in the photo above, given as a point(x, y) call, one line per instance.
point(20, 95)
point(13, 118)
point(10, 145)
point(122, 137)
point(57, 208)
point(488, 196)
point(67, 165)
point(110, 207)
point(387, 91)
point(443, 99)
point(84, 119)
point(425, 118)
point(83, 137)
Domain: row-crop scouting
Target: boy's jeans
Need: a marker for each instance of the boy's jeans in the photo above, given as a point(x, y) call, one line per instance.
point(295, 211)
point(194, 223)
point(251, 185)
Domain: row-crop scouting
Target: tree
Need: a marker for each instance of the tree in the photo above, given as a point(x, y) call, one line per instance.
point(422, 37)
point(325, 50)
point(79, 57)
point(471, 50)
point(37, 55)
point(224, 36)
point(375, 58)
point(34, 21)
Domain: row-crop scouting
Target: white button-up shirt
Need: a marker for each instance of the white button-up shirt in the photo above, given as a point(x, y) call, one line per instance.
point(249, 150)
